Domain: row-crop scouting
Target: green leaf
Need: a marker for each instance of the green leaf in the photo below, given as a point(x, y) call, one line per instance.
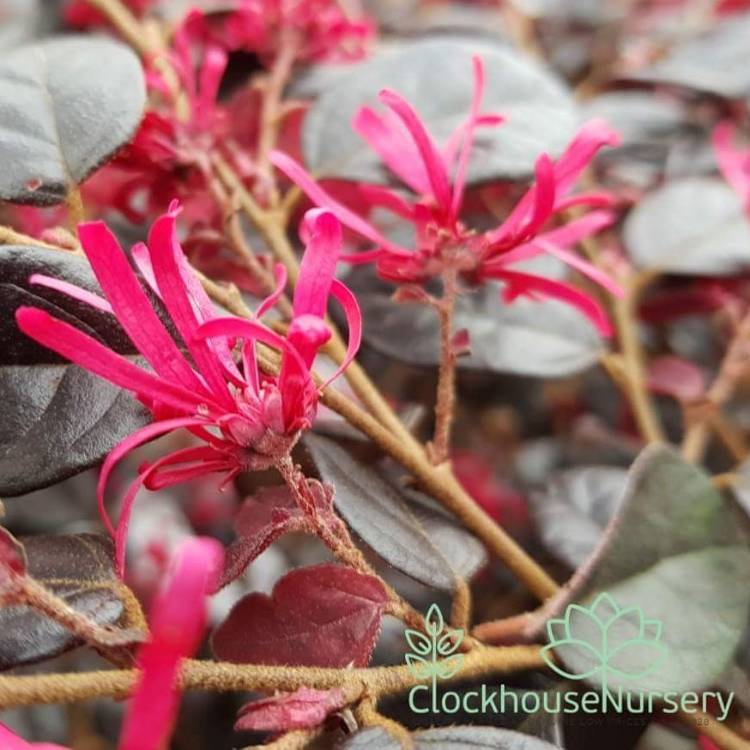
point(435, 76)
point(677, 553)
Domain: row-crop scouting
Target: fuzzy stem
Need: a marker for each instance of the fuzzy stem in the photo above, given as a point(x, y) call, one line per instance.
point(717, 732)
point(76, 210)
point(367, 715)
point(735, 362)
point(16, 691)
point(625, 315)
point(9, 236)
point(446, 390)
point(271, 109)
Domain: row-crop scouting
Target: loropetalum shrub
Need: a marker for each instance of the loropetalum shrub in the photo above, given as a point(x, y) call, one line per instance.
point(372, 350)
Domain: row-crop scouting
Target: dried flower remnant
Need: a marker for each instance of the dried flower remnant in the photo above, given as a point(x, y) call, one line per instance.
point(437, 177)
point(244, 419)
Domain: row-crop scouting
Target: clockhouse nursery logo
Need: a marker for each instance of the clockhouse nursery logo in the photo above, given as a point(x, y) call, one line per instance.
point(611, 647)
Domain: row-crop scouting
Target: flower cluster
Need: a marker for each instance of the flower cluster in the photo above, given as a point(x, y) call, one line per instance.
point(245, 419)
point(317, 29)
point(437, 179)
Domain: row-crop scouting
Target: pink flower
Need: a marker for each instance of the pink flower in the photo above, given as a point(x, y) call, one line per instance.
point(437, 177)
point(178, 620)
point(11, 741)
point(170, 152)
point(244, 419)
point(319, 29)
point(734, 162)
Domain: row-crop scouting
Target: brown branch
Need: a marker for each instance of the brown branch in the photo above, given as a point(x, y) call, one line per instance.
point(735, 362)
point(446, 391)
point(16, 691)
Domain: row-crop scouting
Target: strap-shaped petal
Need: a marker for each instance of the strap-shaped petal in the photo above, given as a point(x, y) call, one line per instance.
point(83, 350)
point(131, 306)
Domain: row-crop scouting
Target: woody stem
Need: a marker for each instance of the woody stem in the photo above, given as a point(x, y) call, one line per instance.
point(18, 691)
point(446, 389)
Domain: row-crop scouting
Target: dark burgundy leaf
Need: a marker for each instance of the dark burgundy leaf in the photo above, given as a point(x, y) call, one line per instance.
point(263, 518)
point(57, 418)
point(79, 569)
point(402, 535)
point(303, 709)
point(66, 106)
point(323, 616)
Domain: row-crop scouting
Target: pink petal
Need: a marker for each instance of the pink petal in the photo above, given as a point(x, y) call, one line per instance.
point(279, 272)
point(321, 198)
point(139, 437)
point(377, 195)
point(386, 135)
point(431, 158)
point(166, 257)
point(178, 620)
point(94, 300)
point(83, 350)
point(358, 259)
point(459, 183)
point(733, 162)
point(457, 136)
point(348, 301)
point(11, 741)
point(591, 137)
point(322, 234)
point(582, 265)
point(527, 284)
point(132, 308)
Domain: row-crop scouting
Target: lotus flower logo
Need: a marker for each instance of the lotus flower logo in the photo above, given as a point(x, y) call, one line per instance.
point(434, 654)
point(604, 641)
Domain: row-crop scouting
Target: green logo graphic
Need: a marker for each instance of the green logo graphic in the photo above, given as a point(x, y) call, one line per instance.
point(434, 654)
point(605, 641)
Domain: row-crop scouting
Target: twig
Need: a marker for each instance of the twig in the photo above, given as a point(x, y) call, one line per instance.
point(626, 321)
point(736, 360)
point(367, 715)
point(16, 691)
point(446, 390)
point(9, 236)
point(717, 732)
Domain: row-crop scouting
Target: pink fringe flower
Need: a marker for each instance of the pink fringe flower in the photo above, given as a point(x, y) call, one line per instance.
point(437, 177)
point(734, 162)
point(244, 419)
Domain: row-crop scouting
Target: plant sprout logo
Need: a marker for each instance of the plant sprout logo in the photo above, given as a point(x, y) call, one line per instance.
point(606, 641)
point(434, 654)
